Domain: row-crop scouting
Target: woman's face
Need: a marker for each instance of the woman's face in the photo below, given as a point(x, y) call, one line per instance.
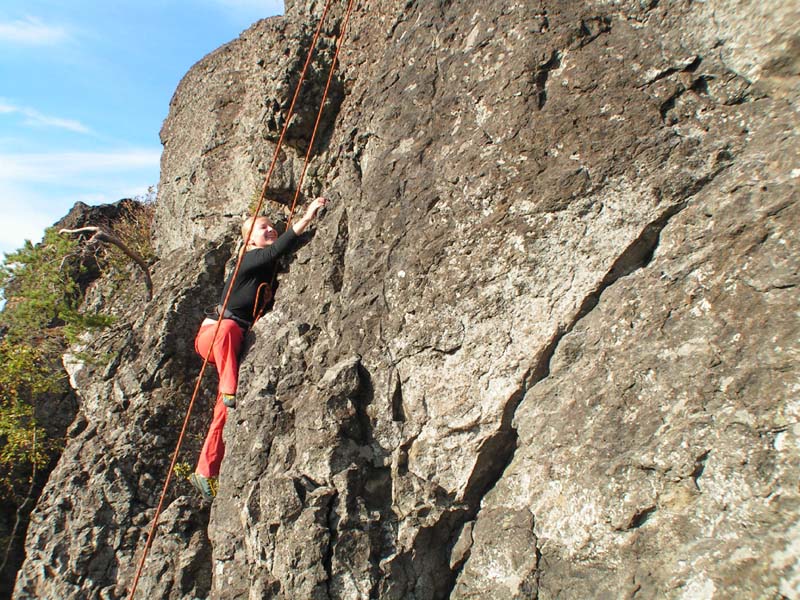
point(264, 233)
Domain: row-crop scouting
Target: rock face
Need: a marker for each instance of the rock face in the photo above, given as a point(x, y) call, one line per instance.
point(544, 343)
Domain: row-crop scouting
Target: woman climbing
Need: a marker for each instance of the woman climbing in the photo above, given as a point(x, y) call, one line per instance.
point(261, 251)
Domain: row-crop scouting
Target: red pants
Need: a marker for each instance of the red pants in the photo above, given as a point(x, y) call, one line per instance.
point(225, 356)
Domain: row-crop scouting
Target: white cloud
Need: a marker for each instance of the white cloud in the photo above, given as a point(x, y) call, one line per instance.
point(36, 119)
point(24, 216)
point(20, 225)
point(57, 166)
point(36, 190)
point(31, 31)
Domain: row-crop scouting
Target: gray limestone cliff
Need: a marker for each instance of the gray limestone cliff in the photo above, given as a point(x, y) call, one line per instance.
point(543, 344)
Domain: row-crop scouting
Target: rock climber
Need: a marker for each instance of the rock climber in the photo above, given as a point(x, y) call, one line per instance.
point(260, 252)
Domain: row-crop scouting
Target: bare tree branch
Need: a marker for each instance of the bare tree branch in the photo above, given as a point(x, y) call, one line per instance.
point(103, 235)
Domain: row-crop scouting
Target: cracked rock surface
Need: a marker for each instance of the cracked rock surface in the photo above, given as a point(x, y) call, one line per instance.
point(667, 426)
point(542, 344)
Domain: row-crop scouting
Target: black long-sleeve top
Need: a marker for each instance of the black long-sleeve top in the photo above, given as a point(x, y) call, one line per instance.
point(254, 271)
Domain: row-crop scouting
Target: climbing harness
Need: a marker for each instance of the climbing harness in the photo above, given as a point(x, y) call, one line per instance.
point(262, 196)
point(263, 296)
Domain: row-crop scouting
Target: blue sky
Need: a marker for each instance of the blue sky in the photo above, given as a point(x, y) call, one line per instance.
point(84, 88)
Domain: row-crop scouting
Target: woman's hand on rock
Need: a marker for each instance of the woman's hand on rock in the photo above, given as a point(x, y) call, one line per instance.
point(311, 212)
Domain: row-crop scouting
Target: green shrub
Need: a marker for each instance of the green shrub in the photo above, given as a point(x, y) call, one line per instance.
point(24, 373)
point(41, 289)
point(41, 294)
point(39, 285)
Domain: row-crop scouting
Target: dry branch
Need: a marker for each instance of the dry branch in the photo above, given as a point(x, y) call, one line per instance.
point(103, 235)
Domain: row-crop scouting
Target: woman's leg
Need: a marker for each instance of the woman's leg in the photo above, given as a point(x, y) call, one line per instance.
point(214, 447)
point(225, 355)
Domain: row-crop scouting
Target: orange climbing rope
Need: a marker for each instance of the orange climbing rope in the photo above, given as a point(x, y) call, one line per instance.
point(320, 111)
point(299, 186)
point(290, 113)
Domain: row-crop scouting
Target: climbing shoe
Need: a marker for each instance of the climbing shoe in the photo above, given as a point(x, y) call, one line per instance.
point(207, 486)
point(229, 400)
